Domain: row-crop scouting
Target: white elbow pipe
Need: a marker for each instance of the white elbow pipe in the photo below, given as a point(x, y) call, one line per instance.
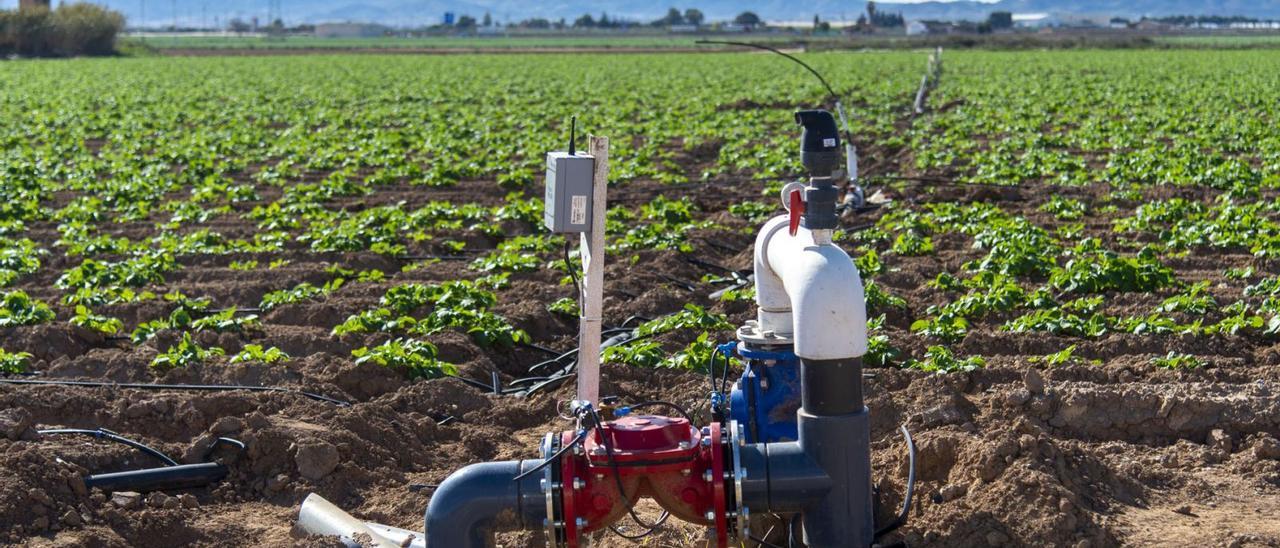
point(809, 290)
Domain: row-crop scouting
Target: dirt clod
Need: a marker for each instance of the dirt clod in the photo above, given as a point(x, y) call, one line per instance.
point(316, 459)
point(1034, 381)
point(127, 500)
point(15, 423)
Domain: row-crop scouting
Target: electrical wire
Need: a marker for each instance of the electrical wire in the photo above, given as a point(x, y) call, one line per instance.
point(617, 475)
point(711, 378)
point(582, 434)
point(911, 487)
point(573, 273)
point(661, 519)
point(762, 542)
point(104, 434)
point(667, 404)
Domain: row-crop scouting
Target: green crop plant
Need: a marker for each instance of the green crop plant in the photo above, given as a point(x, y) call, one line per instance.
point(105, 325)
point(18, 258)
point(14, 362)
point(1067, 209)
point(691, 317)
point(418, 359)
point(946, 327)
point(519, 254)
point(17, 308)
point(1062, 358)
point(1060, 322)
point(939, 359)
point(302, 292)
point(565, 306)
point(659, 224)
point(459, 304)
point(1093, 270)
point(642, 353)
point(910, 244)
point(256, 353)
point(880, 352)
point(754, 212)
point(184, 354)
point(879, 298)
point(1176, 361)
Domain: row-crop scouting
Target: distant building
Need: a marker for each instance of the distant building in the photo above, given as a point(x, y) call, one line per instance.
point(917, 28)
point(1054, 20)
point(350, 30)
point(1151, 25)
point(30, 4)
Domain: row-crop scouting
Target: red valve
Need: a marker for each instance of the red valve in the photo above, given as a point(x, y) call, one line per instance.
point(686, 471)
point(797, 210)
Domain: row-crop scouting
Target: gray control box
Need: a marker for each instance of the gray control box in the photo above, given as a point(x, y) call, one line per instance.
point(569, 189)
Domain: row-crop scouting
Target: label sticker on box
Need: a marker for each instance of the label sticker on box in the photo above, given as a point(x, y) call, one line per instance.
point(578, 210)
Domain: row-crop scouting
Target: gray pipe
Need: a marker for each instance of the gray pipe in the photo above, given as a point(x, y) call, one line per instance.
point(481, 499)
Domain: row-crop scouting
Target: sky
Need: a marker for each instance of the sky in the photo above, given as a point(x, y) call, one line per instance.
point(10, 4)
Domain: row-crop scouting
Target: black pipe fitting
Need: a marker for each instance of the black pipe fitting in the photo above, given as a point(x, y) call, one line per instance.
point(826, 474)
point(840, 445)
point(820, 199)
point(790, 479)
point(163, 478)
point(481, 499)
point(831, 387)
point(819, 143)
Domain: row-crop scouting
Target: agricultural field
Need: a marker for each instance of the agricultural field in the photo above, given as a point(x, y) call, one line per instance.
point(1075, 303)
point(513, 42)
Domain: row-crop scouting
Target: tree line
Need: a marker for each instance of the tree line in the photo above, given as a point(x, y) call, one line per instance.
point(69, 30)
point(674, 17)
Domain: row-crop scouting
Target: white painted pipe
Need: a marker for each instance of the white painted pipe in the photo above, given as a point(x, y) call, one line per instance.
point(809, 290)
point(320, 517)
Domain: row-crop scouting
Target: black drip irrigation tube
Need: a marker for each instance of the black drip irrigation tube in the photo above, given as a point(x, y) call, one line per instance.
point(163, 478)
point(177, 387)
point(553, 372)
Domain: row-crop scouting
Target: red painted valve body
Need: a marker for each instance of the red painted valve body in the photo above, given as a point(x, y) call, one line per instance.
point(662, 458)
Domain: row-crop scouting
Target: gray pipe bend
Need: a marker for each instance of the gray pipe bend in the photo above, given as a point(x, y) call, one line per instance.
point(781, 478)
point(481, 499)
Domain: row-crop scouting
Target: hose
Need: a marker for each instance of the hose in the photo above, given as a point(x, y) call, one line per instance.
point(188, 387)
point(104, 434)
point(901, 519)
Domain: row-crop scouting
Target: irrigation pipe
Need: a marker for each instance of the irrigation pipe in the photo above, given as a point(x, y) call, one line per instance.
point(104, 434)
point(179, 387)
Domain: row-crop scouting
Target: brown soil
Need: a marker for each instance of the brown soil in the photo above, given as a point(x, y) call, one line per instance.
point(1082, 455)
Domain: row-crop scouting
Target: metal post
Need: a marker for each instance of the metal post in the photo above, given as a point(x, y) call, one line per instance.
point(593, 278)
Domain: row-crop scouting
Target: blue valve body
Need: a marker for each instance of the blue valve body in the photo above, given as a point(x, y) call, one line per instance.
point(767, 395)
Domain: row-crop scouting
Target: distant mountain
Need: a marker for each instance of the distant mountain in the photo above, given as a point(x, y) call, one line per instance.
point(1260, 9)
point(402, 13)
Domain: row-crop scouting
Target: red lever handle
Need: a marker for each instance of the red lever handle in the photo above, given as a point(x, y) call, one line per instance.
point(797, 210)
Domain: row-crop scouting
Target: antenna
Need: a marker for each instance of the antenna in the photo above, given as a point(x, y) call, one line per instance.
point(573, 134)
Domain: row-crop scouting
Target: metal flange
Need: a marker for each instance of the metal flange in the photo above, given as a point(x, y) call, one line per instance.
point(550, 526)
point(737, 438)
